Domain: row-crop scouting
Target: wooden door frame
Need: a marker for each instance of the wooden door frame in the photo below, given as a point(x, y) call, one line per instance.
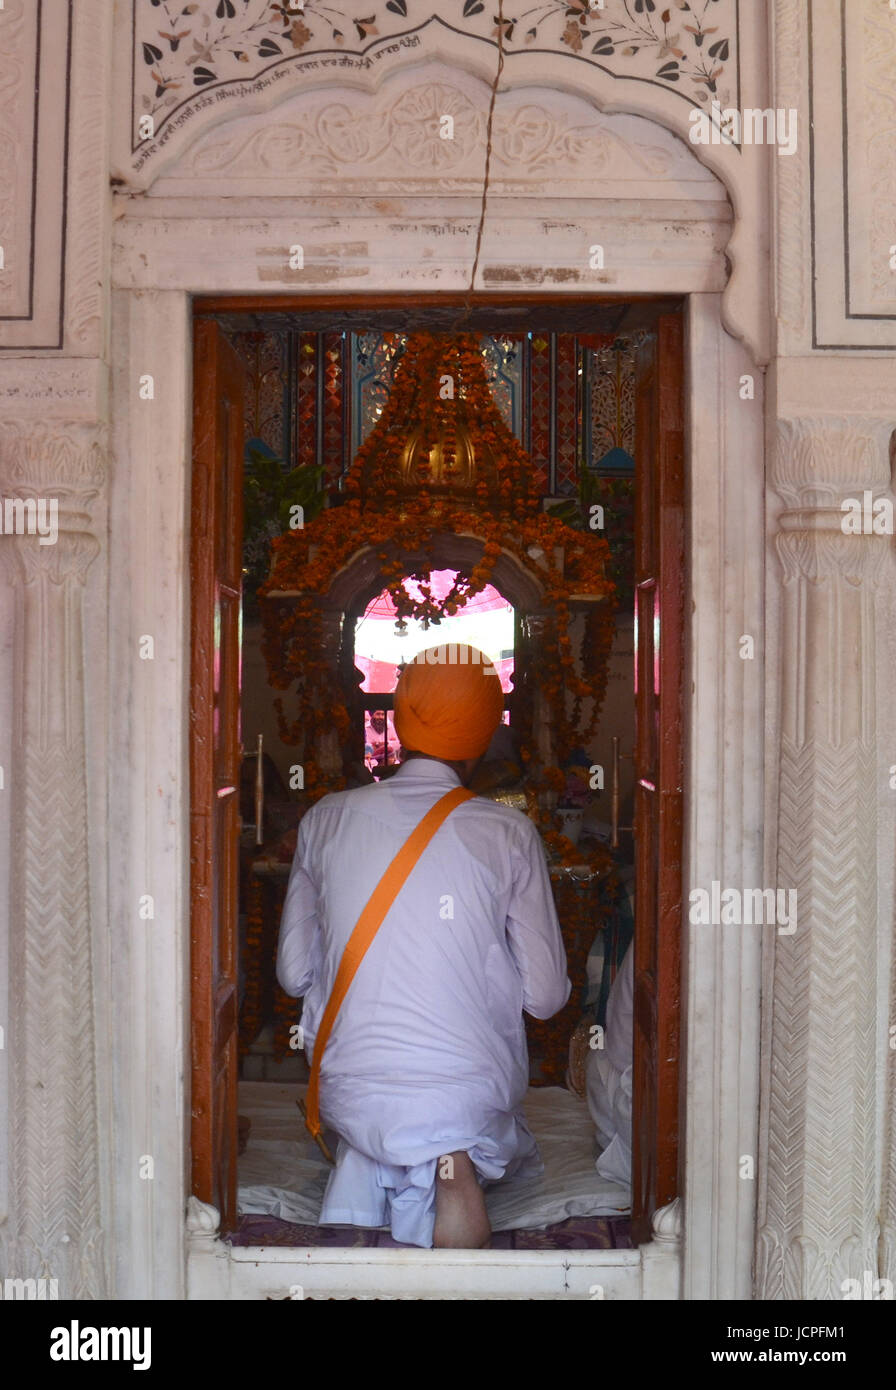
point(214, 304)
point(216, 553)
point(660, 570)
point(211, 307)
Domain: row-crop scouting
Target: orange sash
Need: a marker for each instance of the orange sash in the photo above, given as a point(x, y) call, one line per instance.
point(366, 928)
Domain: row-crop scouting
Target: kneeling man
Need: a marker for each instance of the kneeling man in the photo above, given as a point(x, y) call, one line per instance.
point(425, 1071)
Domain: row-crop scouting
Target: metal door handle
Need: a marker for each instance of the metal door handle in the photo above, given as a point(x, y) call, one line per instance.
point(614, 801)
point(258, 754)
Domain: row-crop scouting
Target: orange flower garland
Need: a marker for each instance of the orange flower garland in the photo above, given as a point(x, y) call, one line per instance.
point(398, 519)
point(439, 383)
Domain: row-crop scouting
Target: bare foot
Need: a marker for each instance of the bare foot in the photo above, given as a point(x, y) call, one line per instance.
point(461, 1218)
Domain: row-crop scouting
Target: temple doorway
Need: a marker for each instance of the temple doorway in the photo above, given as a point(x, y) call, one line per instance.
point(285, 399)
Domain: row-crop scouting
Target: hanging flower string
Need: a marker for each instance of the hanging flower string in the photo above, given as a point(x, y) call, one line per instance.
point(415, 479)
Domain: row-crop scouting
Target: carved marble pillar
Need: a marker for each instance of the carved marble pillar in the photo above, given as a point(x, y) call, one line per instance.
point(817, 1201)
point(54, 1224)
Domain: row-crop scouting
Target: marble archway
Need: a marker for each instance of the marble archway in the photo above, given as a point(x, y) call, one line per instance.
point(404, 230)
point(198, 107)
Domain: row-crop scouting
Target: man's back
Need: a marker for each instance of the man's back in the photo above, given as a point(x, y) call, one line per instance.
point(433, 1018)
point(426, 1062)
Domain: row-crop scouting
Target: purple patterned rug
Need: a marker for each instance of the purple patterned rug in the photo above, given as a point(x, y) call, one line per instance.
point(576, 1233)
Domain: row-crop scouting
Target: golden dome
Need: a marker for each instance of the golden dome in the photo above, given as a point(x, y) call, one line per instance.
point(441, 434)
point(452, 462)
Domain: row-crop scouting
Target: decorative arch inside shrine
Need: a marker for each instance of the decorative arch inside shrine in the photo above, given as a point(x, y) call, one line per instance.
point(441, 486)
point(360, 583)
point(441, 483)
point(377, 642)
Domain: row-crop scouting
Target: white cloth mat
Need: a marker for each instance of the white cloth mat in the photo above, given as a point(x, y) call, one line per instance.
point(283, 1173)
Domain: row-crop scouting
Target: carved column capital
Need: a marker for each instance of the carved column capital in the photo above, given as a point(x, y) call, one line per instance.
point(811, 545)
point(67, 560)
point(817, 465)
point(817, 461)
point(61, 469)
point(46, 458)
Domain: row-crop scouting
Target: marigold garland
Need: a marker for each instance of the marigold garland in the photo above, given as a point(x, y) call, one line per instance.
point(440, 389)
point(398, 518)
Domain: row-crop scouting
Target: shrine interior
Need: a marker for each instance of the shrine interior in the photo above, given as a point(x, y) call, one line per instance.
point(317, 383)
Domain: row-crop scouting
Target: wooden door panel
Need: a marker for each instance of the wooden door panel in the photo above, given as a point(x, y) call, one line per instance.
point(215, 572)
point(659, 628)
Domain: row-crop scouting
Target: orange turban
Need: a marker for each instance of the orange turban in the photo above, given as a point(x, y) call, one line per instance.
point(448, 702)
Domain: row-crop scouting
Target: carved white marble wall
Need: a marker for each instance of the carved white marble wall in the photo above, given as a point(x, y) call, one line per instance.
point(54, 280)
point(378, 200)
point(792, 285)
point(35, 44)
point(888, 900)
point(835, 198)
point(71, 1201)
point(54, 1224)
point(725, 702)
point(619, 61)
point(219, 65)
point(822, 1116)
point(54, 176)
point(829, 810)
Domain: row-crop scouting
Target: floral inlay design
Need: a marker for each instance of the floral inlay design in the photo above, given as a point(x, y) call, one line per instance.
point(690, 41)
point(184, 53)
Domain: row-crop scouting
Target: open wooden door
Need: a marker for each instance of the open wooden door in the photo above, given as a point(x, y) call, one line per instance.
point(659, 633)
point(216, 608)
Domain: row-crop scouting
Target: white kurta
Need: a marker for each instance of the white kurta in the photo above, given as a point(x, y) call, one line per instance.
point(428, 1052)
point(609, 1079)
